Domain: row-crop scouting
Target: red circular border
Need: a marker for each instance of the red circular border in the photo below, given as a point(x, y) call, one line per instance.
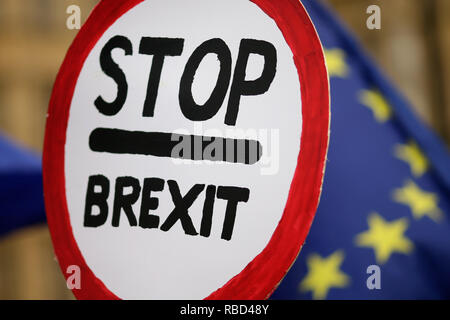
point(261, 276)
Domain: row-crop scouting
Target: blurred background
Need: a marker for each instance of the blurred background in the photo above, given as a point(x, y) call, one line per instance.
point(412, 49)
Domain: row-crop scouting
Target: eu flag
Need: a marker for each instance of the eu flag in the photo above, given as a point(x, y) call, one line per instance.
point(382, 230)
point(21, 195)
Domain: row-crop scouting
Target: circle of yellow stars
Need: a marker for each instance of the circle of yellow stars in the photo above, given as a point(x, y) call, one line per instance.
point(384, 237)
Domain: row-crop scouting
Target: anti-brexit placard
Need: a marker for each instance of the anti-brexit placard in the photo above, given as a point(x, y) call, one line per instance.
point(185, 148)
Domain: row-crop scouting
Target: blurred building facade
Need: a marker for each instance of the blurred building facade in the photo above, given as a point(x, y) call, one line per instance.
point(33, 41)
point(412, 48)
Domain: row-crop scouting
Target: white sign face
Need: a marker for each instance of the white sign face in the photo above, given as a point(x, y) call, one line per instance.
point(180, 161)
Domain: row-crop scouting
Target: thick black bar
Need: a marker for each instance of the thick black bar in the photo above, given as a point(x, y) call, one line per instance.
point(161, 144)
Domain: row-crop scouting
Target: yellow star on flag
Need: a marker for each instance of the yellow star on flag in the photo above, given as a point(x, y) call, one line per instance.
point(385, 237)
point(335, 59)
point(324, 274)
point(421, 203)
point(376, 102)
point(411, 154)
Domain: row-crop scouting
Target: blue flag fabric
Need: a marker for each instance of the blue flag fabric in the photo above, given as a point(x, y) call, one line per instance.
point(21, 195)
point(382, 230)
